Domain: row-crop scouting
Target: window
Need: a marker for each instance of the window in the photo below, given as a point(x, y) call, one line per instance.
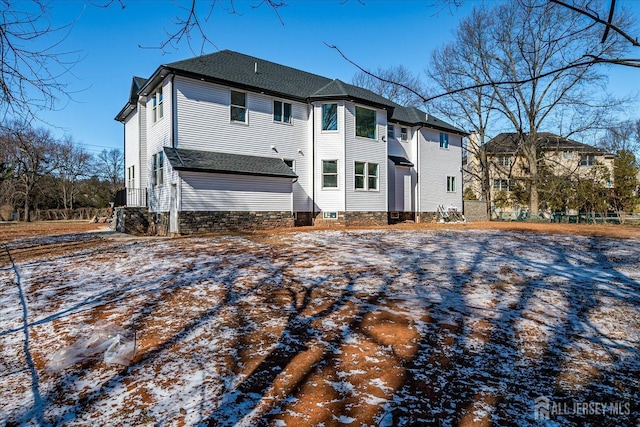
point(504, 160)
point(289, 163)
point(329, 116)
point(451, 184)
point(444, 140)
point(366, 176)
point(587, 160)
point(131, 176)
point(503, 184)
point(238, 107)
point(330, 215)
point(366, 123)
point(158, 168)
point(391, 131)
point(403, 134)
point(329, 174)
point(373, 176)
point(158, 109)
point(281, 112)
point(567, 155)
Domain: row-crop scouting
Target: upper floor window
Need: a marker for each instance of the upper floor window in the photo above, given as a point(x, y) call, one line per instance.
point(444, 140)
point(391, 131)
point(366, 123)
point(281, 112)
point(404, 135)
point(238, 106)
point(329, 174)
point(504, 160)
point(567, 155)
point(157, 108)
point(588, 160)
point(451, 184)
point(329, 116)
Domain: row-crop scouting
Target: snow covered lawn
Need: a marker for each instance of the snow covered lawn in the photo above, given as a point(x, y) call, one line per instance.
point(386, 327)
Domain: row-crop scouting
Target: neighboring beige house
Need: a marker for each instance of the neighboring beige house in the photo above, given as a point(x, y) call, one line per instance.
point(507, 166)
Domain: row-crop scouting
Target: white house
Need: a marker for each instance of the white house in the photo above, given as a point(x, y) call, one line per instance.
point(231, 141)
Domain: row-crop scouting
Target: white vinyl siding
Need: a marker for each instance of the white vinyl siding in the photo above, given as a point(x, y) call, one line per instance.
point(371, 151)
point(436, 165)
point(330, 146)
point(132, 148)
point(223, 192)
point(158, 135)
point(203, 124)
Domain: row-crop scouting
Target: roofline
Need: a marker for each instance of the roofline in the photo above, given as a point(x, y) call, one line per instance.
point(229, 172)
point(121, 116)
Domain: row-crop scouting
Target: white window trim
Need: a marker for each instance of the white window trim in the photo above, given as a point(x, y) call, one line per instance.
point(337, 129)
point(290, 122)
point(355, 124)
point(366, 177)
point(245, 107)
point(330, 215)
point(406, 134)
point(337, 174)
point(451, 184)
point(446, 147)
point(157, 105)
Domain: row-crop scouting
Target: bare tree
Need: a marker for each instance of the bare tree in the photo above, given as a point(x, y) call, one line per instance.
point(463, 63)
point(532, 40)
point(624, 135)
point(74, 165)
point(398, 94)
point(31, 78)
point(35, 155)
point(110, 167)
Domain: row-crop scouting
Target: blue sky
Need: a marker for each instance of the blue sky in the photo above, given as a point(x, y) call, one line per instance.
point(380, 33)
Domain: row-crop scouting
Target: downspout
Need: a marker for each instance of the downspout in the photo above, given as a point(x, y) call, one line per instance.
point(313, 164)
point(174, 112)
point(418, 206)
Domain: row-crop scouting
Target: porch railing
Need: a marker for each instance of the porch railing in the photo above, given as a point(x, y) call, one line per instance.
point(131, 197)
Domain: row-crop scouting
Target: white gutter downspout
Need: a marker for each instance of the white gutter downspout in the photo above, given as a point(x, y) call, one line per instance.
point(418, 204)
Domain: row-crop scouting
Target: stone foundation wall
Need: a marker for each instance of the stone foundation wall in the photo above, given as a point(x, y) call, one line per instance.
point(132, 220)
point(429, 216)
point(346, 219)
point(366, 218)
point(402, 217)
point(207, 222)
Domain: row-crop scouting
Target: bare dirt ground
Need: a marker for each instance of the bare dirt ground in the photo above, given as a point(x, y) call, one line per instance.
point(414, 324)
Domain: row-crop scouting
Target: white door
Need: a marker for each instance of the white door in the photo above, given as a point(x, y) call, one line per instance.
point(408, 192)
point(173, 210)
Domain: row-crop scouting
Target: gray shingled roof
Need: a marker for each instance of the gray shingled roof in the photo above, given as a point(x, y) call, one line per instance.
point(246, 71)
point(413, 116)
point(208, 161)
point(255, 74)
point(507, 143)
point(400, 161)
